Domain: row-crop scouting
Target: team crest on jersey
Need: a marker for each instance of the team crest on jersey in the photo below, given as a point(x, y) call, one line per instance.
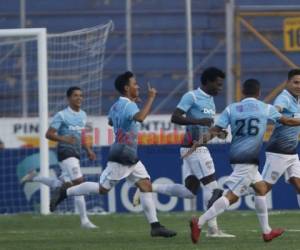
point(209, 164)
point(274, 175)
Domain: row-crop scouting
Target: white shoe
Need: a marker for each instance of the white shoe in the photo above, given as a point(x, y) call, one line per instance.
point(217, 233)
point(28, 177)
point(136, 198)
point(88, 225)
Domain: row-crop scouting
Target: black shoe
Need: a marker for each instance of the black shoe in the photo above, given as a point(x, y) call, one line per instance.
point(58, 196)
point(217, 193)
point(161, 231)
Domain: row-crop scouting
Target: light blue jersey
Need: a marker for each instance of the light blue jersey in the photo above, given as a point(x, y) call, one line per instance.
point(284, 139)
point(248, 121)
point(69, 123)
point(124, 149)
point(196, 104)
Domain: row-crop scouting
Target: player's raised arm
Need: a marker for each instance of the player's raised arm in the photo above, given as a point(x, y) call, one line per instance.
point(142, 114)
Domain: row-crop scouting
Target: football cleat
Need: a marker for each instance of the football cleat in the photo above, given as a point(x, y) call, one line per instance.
point(195, 230)
point(217, 233)
point(273, 234)
point(59, 194)
point(88, 225)
point(161, 231)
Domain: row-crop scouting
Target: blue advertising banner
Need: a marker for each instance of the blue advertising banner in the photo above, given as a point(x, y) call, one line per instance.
point(162, 162)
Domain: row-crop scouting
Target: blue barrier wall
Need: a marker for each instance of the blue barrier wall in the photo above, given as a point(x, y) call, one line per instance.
point(161, 161)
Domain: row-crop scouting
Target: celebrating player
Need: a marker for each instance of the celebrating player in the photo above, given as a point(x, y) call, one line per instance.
point(281, 151)
point(196, 111)
point(248, 122)
point(66, 128)
point(123, 161)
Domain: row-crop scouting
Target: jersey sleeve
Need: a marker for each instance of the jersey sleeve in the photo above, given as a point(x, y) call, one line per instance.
point(186, 102)
point(131, 110)
point(224, 119)
point(282, 101)
point(56, 121)
point(273, 113)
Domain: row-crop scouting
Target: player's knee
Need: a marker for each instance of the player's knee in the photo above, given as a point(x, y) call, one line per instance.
point(144, 185)
point(261, 188)
point(192, 183)
point(231, 197)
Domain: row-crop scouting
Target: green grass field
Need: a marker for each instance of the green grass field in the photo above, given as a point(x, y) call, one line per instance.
point(130, 231)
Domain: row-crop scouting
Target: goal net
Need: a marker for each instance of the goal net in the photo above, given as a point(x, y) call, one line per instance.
point(74, 58)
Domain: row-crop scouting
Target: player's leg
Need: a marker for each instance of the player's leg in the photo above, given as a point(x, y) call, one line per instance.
point(108, 179)
point(275, 166)
point(216, 209)
point(51, 181)
point(292, 175)
point(71, 168)
point(261, 208)
point(175, 189)
point(211, 191)
point(200, 165)
point(140, 177)
point(260, 187)
point(178, 190)
point(237, 183)
point(186, 191)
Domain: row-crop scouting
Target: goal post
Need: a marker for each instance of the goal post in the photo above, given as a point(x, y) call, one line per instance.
point(41, 36)
point(36, 70)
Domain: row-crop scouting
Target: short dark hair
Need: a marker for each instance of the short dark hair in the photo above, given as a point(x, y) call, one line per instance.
point(71, 90)
point(251, 87)
point(123, 80)
point(293, 73)
point(211, 74)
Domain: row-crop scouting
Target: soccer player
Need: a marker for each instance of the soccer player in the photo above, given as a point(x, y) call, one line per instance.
point(196, 111)
point(248, 121)
point(123, 161)
point(66, 128)
point(281, 150)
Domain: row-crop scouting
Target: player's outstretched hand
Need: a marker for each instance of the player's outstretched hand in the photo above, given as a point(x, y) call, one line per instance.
point(151, 91)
